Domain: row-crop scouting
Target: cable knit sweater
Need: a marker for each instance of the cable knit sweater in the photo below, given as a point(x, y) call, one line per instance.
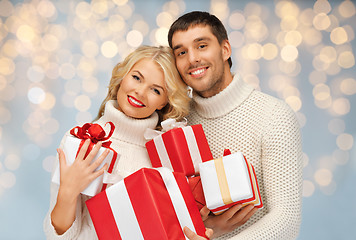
point(266, 131)
point(128, 141)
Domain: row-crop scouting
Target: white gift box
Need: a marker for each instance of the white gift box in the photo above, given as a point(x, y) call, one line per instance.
point(227, 181)
point(70, 148)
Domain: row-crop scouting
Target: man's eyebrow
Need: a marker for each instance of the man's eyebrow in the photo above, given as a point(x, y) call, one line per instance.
point(199, 39)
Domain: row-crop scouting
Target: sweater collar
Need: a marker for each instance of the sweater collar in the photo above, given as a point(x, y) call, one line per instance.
point(127, 129)
point(225, 101)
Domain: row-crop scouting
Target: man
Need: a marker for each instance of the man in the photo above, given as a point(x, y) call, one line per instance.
point(237, 117)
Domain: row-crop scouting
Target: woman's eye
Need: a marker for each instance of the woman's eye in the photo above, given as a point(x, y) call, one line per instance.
point(156, 91)
point(136, 77)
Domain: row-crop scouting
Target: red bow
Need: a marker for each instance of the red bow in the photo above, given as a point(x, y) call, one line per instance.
point(94, 132)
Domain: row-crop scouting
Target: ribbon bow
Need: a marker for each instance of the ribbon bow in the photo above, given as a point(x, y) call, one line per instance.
point(94, 132)
point(167, 125)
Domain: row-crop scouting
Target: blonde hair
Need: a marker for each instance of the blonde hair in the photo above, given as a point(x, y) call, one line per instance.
point(178, 100)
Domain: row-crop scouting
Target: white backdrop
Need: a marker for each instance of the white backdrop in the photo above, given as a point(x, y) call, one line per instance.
point(56, 59)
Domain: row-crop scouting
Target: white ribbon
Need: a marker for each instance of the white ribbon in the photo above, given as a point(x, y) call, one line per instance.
point(167, 125)
point(112, 178)
point(177, 199)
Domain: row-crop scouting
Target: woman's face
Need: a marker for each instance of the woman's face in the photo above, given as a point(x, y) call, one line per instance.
point(143, 90)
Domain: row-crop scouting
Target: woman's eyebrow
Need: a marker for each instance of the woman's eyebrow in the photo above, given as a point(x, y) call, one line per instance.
point(139, 73)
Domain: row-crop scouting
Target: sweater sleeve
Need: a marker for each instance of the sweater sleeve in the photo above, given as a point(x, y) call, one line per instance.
point(75, 230)
point(282, 178)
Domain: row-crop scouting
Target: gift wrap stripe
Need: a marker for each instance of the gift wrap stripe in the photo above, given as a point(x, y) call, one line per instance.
point(162, 152)
point(123, 212)
point(203, 146)
point(224, 187)
point(193, 147)
point(103, 218)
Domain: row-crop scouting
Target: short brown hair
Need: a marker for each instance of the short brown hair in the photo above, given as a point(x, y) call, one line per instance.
point(199, 18)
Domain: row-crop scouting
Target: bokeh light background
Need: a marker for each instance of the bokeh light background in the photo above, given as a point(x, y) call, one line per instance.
point(56, 59)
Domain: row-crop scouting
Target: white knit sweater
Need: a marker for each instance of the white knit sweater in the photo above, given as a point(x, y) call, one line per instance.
point(266, 131)
point(128, 141)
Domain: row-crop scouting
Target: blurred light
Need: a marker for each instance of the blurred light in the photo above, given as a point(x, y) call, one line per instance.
point(116, 23)
point(134, 38)
point(316, 77)
point(86, 67)
point(312, 37)
point(68, 100)
point(25, 33)
point(35, 74)
point(164, 19)
point(52, 70)
point(48, 102)
point(323, 176)
point(291, 68)
point(82, 103)
point(236, 39)
point(289, 53)
point(347, 86)
point(175, 7)
point(341, 157)
point(161, 36)
point(237, 20)
point(83, 10)
point(321, 21)
point(294, 102)
point(7, 66)
point(270, 51)
point(350, 32)
point(125, 11)
point(6, 8)
point(3, 83)
point(323, 104)
point(67, 71)
point(306, 17)
point(321, 92)
point(219, 8)
point(108, 49)
point(334, 23)
point(338, 36)
point(142, 27)
point(36, 95)
point(341, 106)
point(346, 59)
point(286, 8)
point(49, 162)
point(329, 189)
point(293, 38)
point(347, 9)
point(12, 161)
point(83, 117)
point(308, 188)
point(277, 83)
point(120, 2)
point(336, 126)
point(7, 179)
point(9, 48)
point(100, 8)
point(328, 54)
point(289, 23)
point(46, 9)
point(50, 126)
point(319, 64)
point(255, 29)
point(253, 51)
point(322, 6)
point(252, 80)
point(90, 85)
point(90, 48)
point(345, 141)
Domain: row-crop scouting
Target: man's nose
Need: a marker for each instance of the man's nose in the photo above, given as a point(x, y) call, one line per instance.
point(194, 56)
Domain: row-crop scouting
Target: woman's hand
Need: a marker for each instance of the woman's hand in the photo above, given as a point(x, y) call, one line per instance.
point(76, 177)
point(73, 180)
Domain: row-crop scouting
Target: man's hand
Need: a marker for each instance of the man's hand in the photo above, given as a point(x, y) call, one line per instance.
point(226, 222)
point(193, 236)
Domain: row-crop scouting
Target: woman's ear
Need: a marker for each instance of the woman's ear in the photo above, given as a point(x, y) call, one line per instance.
point(162, 106)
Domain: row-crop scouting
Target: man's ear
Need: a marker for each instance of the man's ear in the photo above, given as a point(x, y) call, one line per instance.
point(226, 49)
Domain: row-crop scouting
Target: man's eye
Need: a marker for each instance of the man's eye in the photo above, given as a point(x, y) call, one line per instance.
point(202, 46)
point(181, 53)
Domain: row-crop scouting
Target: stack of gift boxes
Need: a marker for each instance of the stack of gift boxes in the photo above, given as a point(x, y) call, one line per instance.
point(158, 202)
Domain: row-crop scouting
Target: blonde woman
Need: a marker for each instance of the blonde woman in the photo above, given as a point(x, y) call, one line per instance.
point(144, 89)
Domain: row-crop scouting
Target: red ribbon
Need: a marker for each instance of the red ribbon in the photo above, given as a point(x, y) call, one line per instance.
point(95, 133)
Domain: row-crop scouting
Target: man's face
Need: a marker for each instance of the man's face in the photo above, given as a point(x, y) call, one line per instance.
point(201, 60)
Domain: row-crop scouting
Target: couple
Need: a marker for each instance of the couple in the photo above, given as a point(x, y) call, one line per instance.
point(146, 89)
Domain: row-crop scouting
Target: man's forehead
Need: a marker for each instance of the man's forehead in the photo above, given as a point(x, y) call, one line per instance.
point(193, 33)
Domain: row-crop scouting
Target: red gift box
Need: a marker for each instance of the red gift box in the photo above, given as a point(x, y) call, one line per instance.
point(148, 204)
point(197, 189)
point(180, 149)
